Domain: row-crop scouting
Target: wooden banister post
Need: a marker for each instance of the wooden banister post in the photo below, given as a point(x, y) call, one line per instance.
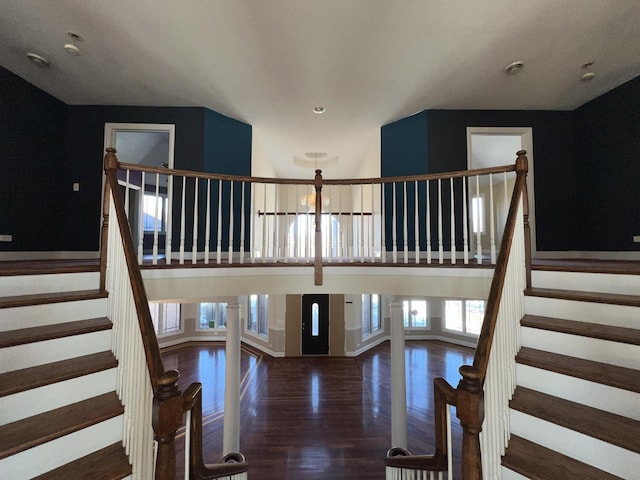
point(522, 168)
point(318, 248)
point(470, 411)
point(167, 418)
point(110, 160)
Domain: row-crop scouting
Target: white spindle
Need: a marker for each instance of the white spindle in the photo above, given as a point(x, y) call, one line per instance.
point(264, 224)
point(207, 226)
point(492, 232)
point(362, 230)
point(393, 225)
point(194, 243)
point(169, 233)
point(405, 223)
point(428, 224)
point(295, 248)
point(372, 238)
point(440, 244)
point(476, 215)
point(141, 222)
point(254, 223)
point(219, 231)
point(242, 222)
point(465, 219)
point(285, 227)
point(453, 223)
point(182, 219)
point(416, 226)
point(341, 249)
point(126, 193)
point(231, 215)
point(383, 246)
point(276, 224)
point(351, 237)
point(156, 213)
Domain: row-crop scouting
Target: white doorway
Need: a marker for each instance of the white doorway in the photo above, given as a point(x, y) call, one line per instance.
point(497, 146)
point(149, 145)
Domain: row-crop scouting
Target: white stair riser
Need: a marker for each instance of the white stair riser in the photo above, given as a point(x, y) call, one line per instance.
point(587, 282)
point(601, 313)
point(39, 353)
point(511, 475)
point(50, 314)
point(60, 282)
point(612, 399)
point(589, 450)
point(604, 351)
point(43, 458)
point(29, 403)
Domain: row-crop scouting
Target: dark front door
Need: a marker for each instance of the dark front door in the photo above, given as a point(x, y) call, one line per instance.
point(315, 324)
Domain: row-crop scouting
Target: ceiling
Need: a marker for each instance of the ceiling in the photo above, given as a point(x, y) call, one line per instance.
point(368, 62)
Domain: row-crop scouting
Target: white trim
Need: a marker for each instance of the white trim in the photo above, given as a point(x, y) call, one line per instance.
point(526, 140)
point(261, 347)
point(368, 346)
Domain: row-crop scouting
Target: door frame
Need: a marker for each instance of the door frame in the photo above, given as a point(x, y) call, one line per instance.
point(526, 140)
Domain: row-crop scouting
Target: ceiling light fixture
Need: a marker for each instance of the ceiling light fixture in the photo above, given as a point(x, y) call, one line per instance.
point(588, 75)
point(514, 67)
point(319, 109)
point(38, 59)
point(71, 48)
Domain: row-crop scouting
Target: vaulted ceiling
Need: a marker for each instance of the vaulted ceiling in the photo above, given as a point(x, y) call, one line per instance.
point(367, 62)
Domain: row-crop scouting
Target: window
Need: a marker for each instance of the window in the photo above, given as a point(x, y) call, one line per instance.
point(477, 213)
point(166, 318)
point(370, 314)
point(414, 313)
point(155, 212)
point(464, 316)
point(257, 319)
point(213, 315)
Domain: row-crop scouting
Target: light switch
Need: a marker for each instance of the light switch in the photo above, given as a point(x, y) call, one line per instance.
point(76, 187)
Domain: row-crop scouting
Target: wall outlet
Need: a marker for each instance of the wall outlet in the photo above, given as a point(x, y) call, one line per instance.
point(76, 187)
point(636, 238)
point(6, 238)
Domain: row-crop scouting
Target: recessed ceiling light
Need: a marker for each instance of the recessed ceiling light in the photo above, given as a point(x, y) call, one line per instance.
point(514, 67)
point(71, 48)
point(588, 75)
point(319, 109)
point(38, 59)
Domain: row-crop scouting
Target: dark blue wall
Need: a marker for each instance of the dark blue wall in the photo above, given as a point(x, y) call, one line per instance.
point(609, 169)
point(32, 181)
point(404, 147)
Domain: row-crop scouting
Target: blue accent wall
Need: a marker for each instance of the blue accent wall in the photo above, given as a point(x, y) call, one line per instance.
point(32, 181)
point(404, 147)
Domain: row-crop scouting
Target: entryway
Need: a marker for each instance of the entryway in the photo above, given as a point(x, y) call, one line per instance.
point(315, 324)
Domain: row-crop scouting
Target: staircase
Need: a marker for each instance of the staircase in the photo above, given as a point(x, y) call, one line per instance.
point(575, 413)
point(59, 414)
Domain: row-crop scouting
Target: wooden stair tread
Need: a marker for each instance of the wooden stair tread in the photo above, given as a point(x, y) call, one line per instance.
point(584, 329)
point(27, 433)
point(49, 332)
point(56, 297)
point(594, 297)
point(539, 463)
point(38, 376)
point(606, 426)
point(606, 374)
point(111, 462)
point(44, 267)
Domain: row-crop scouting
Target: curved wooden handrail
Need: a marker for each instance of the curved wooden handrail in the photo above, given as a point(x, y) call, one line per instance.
point(230, 464)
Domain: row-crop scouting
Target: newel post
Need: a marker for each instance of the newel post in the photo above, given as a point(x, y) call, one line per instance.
point(167, 418)
point(110, 166)
point(318, 247)
point(522, 168)
point(470, 411)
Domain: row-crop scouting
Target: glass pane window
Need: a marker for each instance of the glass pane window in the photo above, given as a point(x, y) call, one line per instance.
point(258, 314)
point(213, 315)
point(166, 318)
point(464, 316)
point(371, 314)
point(414, 313)
point(315, 320)
point(475, 315)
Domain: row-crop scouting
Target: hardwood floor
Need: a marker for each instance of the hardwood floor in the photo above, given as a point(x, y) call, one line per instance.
point(318, 417)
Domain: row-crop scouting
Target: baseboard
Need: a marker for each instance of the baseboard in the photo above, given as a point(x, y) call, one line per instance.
point(8, 256)
point(368, 346)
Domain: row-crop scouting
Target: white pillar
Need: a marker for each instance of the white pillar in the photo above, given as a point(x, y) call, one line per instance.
point(398, 380)
point(231, 436)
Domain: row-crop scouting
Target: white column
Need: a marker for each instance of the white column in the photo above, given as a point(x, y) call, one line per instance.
point(398, 381)
point(231, 435)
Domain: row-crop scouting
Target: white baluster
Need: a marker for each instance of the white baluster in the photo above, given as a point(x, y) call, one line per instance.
point(194, 243)
point(362, 239)
point(476, 214)
point(372, 238)
point(182, 219)
point(265, 240)
point(276, 222)
point(341, 251)
point(219, 231)
point(126, 194)
point(465, 219)
point(285, 228)
point(169, 224)
point(405, 222)
point(393, 225)
point(242, 222)
point(141, 222)
point(428, 224)
point(254, 223)
point(207, 225)
point(453, 224)
point(491, 221)
point(440, 244)
point(416, 226)
point(231, 215)
point(383, 246)
point(157, 213)
point(296, 227)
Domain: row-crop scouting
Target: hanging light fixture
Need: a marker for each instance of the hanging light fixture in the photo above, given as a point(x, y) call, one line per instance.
point(588, 74)
point(71, 48)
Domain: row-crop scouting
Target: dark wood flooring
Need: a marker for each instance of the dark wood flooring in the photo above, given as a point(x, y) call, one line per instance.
point(318, 417)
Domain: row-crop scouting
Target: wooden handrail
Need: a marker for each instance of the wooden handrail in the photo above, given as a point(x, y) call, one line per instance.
point(230, 464)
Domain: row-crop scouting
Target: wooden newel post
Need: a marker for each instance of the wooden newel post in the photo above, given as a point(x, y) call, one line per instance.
point(110, 164)
point(167, 418)
point(318, 247)
point(522, 168)
point(470, 412)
